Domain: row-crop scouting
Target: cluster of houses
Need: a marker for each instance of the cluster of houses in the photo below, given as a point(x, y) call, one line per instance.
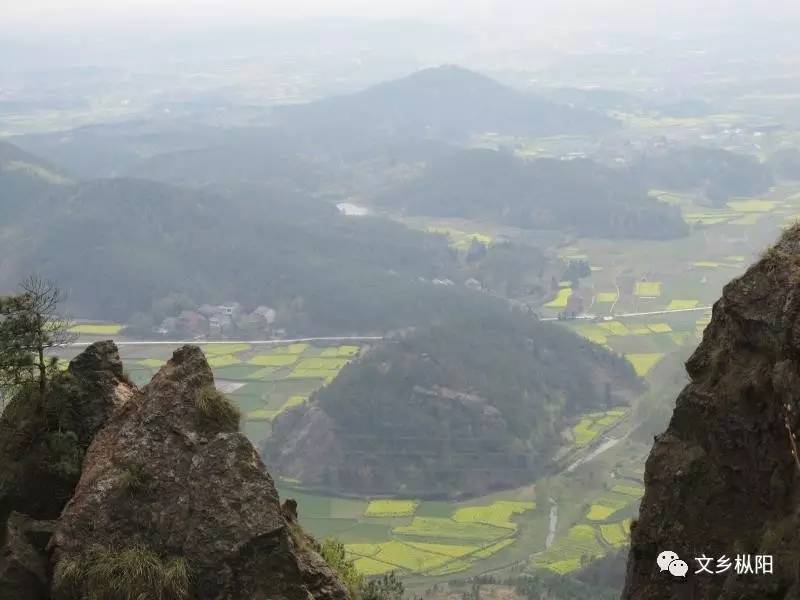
point(221, 321)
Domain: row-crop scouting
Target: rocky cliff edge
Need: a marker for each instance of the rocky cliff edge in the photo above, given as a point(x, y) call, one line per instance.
point(724, 479)
point(171, 502)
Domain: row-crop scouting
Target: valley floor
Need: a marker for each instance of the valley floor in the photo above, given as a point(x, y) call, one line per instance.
point(646, 300)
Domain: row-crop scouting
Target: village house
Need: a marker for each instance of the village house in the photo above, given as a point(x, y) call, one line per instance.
point(219, 324)
point(232, 310)
point(168, 326)
point(193, 323)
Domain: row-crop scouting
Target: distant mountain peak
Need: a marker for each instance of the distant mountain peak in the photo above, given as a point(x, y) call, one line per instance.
point(450, 73)
point(446, 102)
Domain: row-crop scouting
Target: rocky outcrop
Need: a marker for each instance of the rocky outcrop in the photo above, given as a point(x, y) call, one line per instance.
point(170, 475)
point(108, 491)
point(42, 440)
point(724, 479)
point(23, 565)
point(42, 446)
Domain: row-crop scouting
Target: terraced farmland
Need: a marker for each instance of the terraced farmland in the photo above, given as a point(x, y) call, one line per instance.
point(427, 538)
point(605, 507)
point(442, 538)
point(603, 526)
point(593, 424)
point(568, 553)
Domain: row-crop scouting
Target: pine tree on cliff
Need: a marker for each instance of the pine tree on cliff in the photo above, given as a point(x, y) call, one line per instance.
point(30, 325)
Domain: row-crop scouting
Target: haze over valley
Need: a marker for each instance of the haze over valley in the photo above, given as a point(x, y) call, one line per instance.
point(444, 269)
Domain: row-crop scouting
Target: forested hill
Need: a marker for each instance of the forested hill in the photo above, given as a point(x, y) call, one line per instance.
point(463, 407)
point(718, 173)
point(25, 180)
point(541, 194)
point(408, 120)
point(11, 155)
point(124, 245)
point(447, 102)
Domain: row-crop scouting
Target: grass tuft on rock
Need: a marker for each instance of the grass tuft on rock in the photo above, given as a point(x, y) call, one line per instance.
point(216, 411)
point(133, 573)
point(135, 479)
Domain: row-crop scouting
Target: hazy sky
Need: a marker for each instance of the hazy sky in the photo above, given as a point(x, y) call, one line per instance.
point(59, 13)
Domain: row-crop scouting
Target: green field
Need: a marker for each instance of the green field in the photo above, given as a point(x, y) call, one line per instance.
point(223, 360)
point(415, 557)
point(752, 206)
point(593, 424)
point(498, 513)
point(437, 546)
point(648, 289)
point(682, 304)
point(273, 360)
point(370, 566)
point(584, 433)
point(391, 508)
point(644, 362)
point(382, 535)
point(341, 351)
point(614, 328)
point(628, 490)
point(616, 534)
point(152, 362)
point(592, 332)
point(561, 299)
point(600, 512)
point(437, 527)
point(96, 329)
point(565, 555)
point(222, 349)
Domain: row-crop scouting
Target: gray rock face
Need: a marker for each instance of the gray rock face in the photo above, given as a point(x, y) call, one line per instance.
point(23, 566)
point(724, 479)
point(157, 477)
